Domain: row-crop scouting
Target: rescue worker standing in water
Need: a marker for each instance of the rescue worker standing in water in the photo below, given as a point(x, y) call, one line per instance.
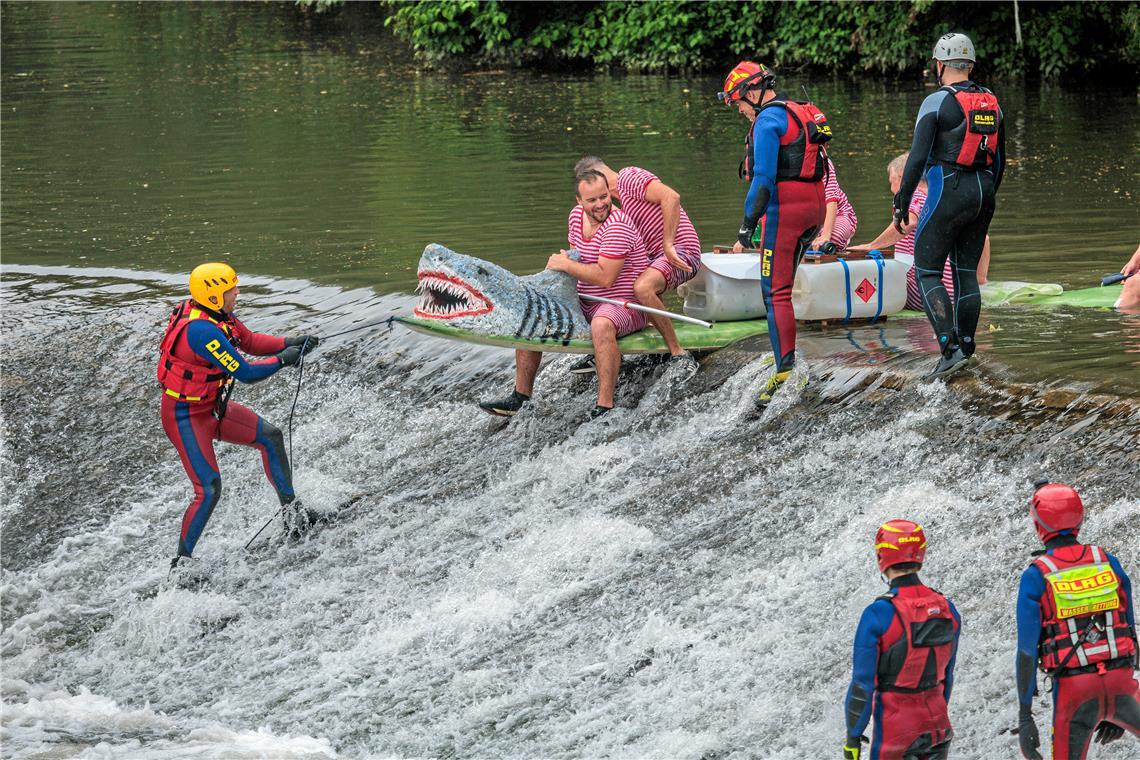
point(1076, 621)
point(785, 163)
point(199, 361)
point(905, 648)
point(959, 145)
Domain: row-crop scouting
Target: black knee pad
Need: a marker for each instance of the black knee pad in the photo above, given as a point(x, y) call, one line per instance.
point(273, 433)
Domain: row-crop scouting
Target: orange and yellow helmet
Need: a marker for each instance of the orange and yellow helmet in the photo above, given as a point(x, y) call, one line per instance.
point(209, 282)
point(745, 76)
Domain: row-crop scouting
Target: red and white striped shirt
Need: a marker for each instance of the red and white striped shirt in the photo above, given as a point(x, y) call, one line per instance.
point(647, 216)
point(833, 193)
point(616, 238)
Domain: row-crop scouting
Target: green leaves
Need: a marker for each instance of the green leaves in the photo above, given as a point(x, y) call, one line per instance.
point(846, 37)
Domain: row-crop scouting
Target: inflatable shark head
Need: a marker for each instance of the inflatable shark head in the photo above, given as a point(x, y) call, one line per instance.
point(476, 295)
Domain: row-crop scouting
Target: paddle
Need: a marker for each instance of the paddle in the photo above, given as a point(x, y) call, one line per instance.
point(647, 310)
point(1112, 279)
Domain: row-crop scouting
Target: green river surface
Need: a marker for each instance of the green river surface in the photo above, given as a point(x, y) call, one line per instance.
point(296, 145)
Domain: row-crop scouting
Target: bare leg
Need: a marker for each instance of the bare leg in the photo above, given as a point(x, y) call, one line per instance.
point(526, 370)
point(984, 263)
point(648, 289)
point(608, 358)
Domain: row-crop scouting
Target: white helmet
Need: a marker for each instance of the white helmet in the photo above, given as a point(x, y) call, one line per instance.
point(955, 50)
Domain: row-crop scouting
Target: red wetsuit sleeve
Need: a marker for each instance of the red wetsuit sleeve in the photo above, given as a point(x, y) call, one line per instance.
point(258, 344)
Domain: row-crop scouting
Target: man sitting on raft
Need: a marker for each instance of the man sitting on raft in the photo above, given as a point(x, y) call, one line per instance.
point(612, 256)
point(670, 240)
point(1129, 300)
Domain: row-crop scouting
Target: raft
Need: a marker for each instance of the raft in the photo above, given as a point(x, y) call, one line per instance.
point(722, 334)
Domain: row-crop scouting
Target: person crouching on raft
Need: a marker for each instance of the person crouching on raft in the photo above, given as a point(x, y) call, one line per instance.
point(785, 163)
point(959, 144)
point(200, 359)
point(905, 648)
point(670, 241)
point(903, 241)
point(839, 219)
point(1076, 622)
point(612, 256)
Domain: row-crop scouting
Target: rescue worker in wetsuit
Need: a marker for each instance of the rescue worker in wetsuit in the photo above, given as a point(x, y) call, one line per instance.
point(1076, 622)
point(199, 361)
point(905, 648)
point(785, 163)
point(959, 145)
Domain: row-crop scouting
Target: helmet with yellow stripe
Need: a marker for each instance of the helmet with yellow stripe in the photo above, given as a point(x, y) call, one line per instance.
point(209, 283)
point(899, 541)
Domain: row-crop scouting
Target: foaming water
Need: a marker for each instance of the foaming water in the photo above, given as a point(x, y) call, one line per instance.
point(675, 579)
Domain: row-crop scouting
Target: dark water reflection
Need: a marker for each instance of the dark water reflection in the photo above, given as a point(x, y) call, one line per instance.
point(157, 136)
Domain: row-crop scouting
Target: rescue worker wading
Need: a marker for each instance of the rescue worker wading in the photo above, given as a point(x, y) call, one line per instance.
point(905, 648)
point(959, 145)
point(785, 163)
point(198, 364)
point(1075, 620)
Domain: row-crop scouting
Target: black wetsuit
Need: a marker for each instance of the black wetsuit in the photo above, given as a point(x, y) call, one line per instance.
point(954, 220)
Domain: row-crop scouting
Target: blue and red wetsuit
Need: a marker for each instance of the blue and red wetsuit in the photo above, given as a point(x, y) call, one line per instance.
point(793, 211)
point(1083, 695)
point(204, 344)
point(910, 678)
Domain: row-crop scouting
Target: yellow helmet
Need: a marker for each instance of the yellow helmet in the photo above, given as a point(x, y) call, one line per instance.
point(208, 282)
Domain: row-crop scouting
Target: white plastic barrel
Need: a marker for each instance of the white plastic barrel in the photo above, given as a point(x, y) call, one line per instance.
point(728, 289)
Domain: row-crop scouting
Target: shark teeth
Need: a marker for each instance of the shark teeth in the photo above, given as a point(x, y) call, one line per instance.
point(446, 296)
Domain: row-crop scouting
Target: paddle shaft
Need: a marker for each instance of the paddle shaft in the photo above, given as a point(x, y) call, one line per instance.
point(646, 309)
point(1112, 279)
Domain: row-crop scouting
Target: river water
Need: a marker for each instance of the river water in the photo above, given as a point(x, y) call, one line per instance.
point(676, 580)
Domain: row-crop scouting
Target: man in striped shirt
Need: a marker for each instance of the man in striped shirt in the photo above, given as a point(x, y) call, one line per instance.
point(670, 240)
point(612, 255)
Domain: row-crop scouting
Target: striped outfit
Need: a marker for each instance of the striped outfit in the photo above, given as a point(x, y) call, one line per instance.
point(904, 251)
point(616, 238)
point(650, 222)
point(845, 219)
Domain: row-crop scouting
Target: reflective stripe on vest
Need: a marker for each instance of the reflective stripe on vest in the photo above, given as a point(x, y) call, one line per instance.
point(1081, 610)
point(196, 380)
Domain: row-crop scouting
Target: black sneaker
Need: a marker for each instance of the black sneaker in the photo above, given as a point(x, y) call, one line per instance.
point(598, 411)
point(684, 365)
point(948, 364)
point(585, 366)
point(299, 519)
point(506, 407)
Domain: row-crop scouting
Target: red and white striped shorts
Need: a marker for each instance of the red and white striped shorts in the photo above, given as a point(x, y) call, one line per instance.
point(625, 320)
point(673, 275)
point(843, 231)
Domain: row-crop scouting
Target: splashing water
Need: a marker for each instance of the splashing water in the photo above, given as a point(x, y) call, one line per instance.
point(675, 579)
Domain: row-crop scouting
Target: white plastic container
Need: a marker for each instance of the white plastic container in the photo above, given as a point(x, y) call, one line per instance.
point(728, 289)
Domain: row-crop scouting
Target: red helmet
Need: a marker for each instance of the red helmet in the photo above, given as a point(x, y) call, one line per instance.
point(745, 76)
point(1056, 507)
point(899, 541)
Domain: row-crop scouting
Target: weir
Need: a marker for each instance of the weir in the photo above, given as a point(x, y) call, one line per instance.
point(524, 589)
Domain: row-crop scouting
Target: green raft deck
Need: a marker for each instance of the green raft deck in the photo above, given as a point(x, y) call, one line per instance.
point(696, 338)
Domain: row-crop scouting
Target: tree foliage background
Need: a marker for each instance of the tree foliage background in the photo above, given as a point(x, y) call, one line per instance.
point(1059, 39)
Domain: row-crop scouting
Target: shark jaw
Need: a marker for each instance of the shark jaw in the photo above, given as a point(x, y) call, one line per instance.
point(445, 296)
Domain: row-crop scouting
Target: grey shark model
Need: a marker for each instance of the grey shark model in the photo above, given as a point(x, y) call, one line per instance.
point(475, 295)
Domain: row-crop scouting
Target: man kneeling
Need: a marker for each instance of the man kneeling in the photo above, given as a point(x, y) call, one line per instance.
point(612, 255)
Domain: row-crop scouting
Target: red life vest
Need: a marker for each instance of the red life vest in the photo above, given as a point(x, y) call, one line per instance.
point(802, 155)
point(979, 143)
point(196, 380)
point(1083, 610)
point(915, 658)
